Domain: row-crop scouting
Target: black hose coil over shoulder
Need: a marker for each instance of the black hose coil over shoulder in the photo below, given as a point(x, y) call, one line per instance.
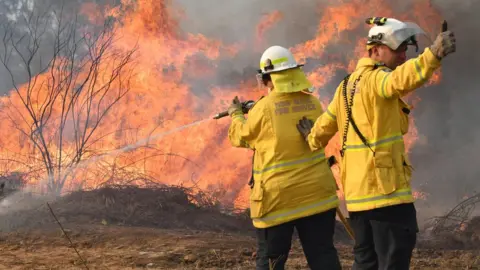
point(348, 107)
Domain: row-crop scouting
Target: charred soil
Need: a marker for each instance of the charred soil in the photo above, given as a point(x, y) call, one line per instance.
point(159, 228)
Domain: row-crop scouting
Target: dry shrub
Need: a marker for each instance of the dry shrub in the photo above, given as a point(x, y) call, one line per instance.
point(161, 207)
point(463, 237)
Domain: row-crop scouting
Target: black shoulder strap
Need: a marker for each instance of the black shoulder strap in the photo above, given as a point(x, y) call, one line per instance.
point(348, 107)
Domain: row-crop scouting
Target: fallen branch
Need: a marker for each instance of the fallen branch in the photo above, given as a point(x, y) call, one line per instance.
point(457, 217)
point(66, 235)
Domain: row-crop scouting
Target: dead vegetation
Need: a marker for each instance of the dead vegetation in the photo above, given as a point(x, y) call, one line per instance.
point(159, 207)
point(457, 229)
point(175, 207)
point(164, 227)
point(118, 247)
point(458, 217)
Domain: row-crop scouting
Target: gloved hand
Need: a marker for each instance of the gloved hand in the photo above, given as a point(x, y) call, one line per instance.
point(305, 126)
point(444, 44)
point(235, 106)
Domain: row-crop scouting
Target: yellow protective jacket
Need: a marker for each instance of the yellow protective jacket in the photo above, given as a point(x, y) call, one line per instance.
point(290, 181)
point(375, 180)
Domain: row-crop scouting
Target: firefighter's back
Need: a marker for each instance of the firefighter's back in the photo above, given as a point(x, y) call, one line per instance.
point(290, 180)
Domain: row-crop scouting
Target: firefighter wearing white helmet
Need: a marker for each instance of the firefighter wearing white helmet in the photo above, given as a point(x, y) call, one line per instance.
point(292, 186)
point(392, 33)
point(276, 59)
point(369, 113)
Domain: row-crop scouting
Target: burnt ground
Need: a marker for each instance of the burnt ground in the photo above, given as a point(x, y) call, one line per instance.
point(169, 228)
point(114, 247)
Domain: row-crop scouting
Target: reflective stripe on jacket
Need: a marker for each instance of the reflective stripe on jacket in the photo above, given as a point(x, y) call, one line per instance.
point(372, 181)
point(290, 181)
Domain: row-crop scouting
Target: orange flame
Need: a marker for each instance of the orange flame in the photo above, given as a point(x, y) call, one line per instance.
point(161, 99)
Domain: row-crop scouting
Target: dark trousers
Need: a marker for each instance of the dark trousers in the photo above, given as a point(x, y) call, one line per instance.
point(384, 237)
point(316, 236)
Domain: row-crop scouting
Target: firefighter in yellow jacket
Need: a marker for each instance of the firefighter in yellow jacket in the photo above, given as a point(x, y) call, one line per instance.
point(293, 187)
point(371, 117)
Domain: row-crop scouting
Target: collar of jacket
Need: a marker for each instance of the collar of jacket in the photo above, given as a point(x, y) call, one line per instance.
point(368, 63)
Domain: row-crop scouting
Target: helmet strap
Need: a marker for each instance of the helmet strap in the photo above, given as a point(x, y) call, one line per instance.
point(413, 41)
point(264, 77)
point(268, 65)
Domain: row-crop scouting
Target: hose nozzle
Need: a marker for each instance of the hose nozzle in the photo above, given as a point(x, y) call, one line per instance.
point(246, 106)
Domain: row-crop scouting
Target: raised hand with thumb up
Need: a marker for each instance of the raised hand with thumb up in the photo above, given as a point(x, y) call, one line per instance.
point(445, 43)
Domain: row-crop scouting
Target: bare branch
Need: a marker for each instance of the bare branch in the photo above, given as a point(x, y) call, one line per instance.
point(63, 102)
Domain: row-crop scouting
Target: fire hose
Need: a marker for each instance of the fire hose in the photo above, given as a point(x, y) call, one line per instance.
point(246, 106)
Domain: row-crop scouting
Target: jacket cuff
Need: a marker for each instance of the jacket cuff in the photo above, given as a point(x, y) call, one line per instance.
point(311, 142)
point(432, 58)
point(238, 115)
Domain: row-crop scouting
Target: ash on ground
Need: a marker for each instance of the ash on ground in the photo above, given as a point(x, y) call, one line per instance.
point(169, 207)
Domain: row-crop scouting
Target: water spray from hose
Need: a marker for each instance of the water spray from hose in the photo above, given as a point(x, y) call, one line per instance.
point(246, 106)
point(135, 145)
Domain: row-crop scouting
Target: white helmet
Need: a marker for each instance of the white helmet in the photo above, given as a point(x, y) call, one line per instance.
point(392, 32)
point(275, 59)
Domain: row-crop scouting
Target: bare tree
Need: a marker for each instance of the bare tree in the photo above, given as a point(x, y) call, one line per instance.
point(63, 97)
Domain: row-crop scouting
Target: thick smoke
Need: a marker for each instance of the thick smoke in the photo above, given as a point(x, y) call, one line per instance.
point(445, 116)
point(236, 22)
point(14, 17)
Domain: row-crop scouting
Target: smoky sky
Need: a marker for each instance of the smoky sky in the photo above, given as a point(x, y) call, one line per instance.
point(445, 155)
point(447, 114)
point(18, 17)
